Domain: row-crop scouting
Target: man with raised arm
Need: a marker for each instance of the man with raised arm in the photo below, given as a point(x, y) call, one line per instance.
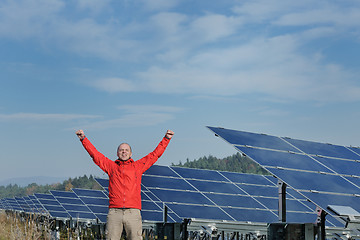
point(124, 185)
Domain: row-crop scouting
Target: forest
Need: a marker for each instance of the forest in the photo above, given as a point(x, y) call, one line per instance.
point(234, 163)
point(14, 190)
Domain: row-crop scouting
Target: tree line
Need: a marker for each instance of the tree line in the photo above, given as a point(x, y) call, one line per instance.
point(234, 163)
point(14, 190)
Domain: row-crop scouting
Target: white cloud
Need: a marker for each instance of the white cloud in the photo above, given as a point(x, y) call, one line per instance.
point(159, 5)
point(150, 108)
point(19, 19)
point(258, 11)
point(268, 66)
point(212, 27)
point(138, 116)
point(325, 15)
point(95, 6)
point(202, 53)
point(44, 116)
point(116, 85)
point(169, 23)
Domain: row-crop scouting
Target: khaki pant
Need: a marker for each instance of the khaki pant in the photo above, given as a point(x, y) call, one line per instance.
point(128, 219)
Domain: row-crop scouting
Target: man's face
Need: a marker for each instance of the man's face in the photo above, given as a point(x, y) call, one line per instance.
point(124, 152)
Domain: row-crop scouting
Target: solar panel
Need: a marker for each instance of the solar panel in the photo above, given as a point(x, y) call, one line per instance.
point(325, 174)
point(220, 196)
point(97, 201)
point(52, 206)
point(73, 205)
point(217, 195)
point(24, 205)
point(13, 204)
point(2, 205)
point(38, 208)
point(104, 183)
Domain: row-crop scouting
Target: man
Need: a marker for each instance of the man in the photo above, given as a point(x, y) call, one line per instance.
point(124, 185)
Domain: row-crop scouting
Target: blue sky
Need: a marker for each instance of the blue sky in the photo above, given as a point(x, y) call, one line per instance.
point(126, 71)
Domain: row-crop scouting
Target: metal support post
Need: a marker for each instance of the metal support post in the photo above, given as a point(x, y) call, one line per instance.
point(184, 231)
point(282, 201)
point(165, 213)
point(321, 222)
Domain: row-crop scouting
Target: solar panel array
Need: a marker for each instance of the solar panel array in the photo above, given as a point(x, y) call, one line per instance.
point(325, 174)
point(217, 195)
point(81, 204)
point(186, 193)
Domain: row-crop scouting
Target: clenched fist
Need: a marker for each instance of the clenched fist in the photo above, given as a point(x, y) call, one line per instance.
point(80, 133)
point(169, 134)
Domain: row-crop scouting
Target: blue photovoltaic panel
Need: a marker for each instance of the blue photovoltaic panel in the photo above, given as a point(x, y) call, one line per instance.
point(345, 167)
point(159, 182)
point(174, 196)
point(355, 180)
point(4, 204)
point(322, 149)
point(73, 205)
point(218, 187)
point(201, 212)
point(96, 209)
point(31, 204)
point(252, 215)
point(156, 216)
point(52, 206)
point(25, 207)
point(151, 206)
point(187, 193)
point(356, 150)
point(316, 181)
point(147, 195)
point(97, 201)
point(252, 139)
point(206, 194)
point(201, 175)
point(263, 191)
point(89, 193)
point(161, 171)
point(13, 204)
point(246, 188)
point(103, 182)
point(270, 158)
point(248, 178)
point(234, 201)
point(323, 173)
point(38, 205)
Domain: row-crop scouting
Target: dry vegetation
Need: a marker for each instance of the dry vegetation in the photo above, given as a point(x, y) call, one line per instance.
point(14, 227)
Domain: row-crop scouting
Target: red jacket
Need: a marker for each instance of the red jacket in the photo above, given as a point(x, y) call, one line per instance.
point(125, 176)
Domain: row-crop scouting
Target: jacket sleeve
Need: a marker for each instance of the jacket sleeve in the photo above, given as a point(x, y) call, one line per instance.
point(99, 159)
point(146, 162)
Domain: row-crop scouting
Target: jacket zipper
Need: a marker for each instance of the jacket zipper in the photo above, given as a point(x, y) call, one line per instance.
point(122, 177)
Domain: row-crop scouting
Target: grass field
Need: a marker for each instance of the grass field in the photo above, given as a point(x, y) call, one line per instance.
point(21, 227)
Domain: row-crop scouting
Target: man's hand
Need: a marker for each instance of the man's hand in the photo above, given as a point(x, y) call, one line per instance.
point(169, 134)
point(80, 133)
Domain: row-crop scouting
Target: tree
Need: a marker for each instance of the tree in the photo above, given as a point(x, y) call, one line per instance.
point(69, 186)
point(234, 163)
